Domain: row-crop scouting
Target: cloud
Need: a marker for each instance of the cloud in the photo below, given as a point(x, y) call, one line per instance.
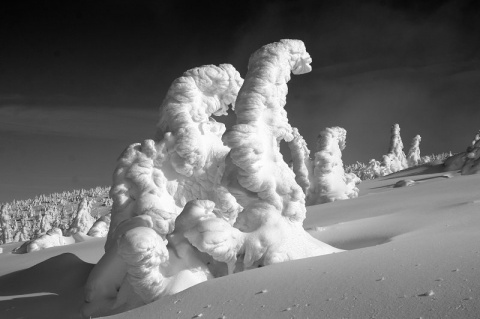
point(98, 122)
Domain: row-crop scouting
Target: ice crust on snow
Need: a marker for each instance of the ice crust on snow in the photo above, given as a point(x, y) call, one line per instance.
point(200, 202)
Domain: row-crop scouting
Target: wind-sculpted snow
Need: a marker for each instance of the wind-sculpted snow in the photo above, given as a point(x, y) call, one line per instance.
point(201, 202)
point(330, 182)
point(153, 182)
point(100, 227)
point(255, 173)
point(51, 238)
point(302, 165)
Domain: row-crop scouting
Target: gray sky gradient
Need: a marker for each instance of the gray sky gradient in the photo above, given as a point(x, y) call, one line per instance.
point(81, 80)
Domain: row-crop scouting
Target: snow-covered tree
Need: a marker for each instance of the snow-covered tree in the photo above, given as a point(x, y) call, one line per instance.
point(5, 224)
point(83, 220)
point(414, 152)
point(330, 182)
point(395, 160)
point(240, 204)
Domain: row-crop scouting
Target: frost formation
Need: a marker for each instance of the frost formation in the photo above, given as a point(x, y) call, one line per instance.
point(414, 158)
point(330, 182)
point(395, 160)
point(200, 202)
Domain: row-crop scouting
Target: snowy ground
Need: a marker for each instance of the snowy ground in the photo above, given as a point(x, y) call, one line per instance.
point(411, 252)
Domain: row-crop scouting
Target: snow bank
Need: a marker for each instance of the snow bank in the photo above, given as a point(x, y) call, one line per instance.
point(330, 182)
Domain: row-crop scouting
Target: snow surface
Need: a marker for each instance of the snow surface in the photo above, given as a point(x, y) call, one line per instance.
point(411, 252)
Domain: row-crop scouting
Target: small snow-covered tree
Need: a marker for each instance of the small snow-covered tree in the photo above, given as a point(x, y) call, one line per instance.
point(330, 182)
point(5, 224)
point(83, 220)
point(395, 160)
point(414, 152)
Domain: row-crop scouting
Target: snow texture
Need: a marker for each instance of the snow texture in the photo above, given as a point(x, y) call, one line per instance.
point(255, 173)
point(51, 238)
point(200, 202)
point(153, 182)
point(330, 182)
point(302, 165)
point(100, 227)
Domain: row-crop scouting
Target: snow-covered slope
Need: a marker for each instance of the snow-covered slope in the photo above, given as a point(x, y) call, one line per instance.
point(411, 252)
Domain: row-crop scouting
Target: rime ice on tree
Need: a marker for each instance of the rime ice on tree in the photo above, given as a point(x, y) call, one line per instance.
point(239, 202)
point(330, 182)
point(395, 160)
point(302, 165)
point(83, 220)
point(7, 235)
point(155, 179)
point(414, 158)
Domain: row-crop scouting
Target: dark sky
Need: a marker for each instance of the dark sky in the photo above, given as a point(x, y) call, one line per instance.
point(80, 80)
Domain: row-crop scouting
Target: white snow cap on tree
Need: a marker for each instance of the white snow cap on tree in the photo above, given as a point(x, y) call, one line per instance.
point(414, 152)
point(330, 182)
